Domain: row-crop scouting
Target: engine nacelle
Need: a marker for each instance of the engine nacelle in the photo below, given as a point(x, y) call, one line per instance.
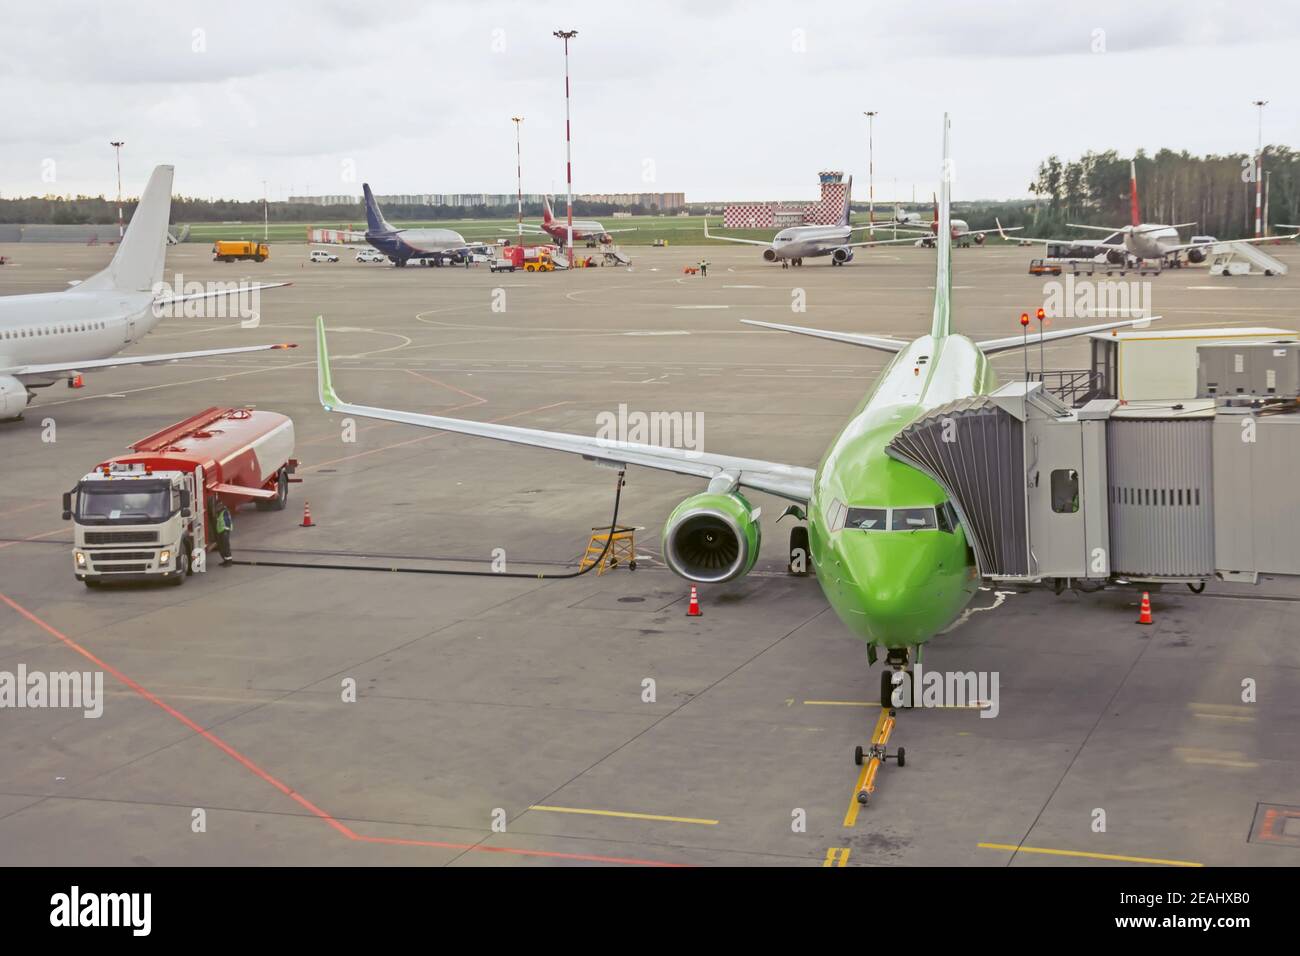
point(979, 238)
point(769, 255)
point(712, 538)
point(1115, 257)
point(1195, 255)
point(13, 397)
point(842, 255)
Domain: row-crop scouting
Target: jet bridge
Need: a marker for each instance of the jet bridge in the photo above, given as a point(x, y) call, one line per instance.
point(1146, 491)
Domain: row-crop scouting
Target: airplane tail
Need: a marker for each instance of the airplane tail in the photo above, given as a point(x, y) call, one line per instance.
point(942, 323)
point(848, 201)
point(375, 221)
point(548, 217)
point(1133, 193)
point(138, 264)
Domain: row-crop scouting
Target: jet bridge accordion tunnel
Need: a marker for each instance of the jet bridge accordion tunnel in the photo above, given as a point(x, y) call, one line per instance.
point(1165, 492)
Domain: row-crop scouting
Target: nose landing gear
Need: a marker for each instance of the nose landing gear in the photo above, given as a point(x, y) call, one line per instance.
point(876, 752)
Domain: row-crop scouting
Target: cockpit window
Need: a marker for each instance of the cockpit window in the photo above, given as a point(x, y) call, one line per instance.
point(866, 519)
point(914, 519)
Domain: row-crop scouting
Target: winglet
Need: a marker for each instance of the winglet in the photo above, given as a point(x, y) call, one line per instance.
point(706, 228)
point(328, 399)
point(942, 321)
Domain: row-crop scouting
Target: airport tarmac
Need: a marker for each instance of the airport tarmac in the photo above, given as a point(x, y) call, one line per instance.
point(510, 721)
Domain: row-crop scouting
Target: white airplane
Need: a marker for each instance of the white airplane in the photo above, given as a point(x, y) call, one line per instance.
point(795, 243)
point(47, 336)
point(960, 230)
point(1142, 240)
point(584, 230)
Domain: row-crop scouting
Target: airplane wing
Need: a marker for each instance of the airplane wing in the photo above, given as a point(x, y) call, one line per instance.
point(612, 231)
point(241, 290)
point(1090, 243)
point(86, 365)
point(786, 481)
point(883, 242)
point(748, 242)
point(993, 346)
point(1000, 230)
point(891, 224)
point(1214, 246)
point(879, 342)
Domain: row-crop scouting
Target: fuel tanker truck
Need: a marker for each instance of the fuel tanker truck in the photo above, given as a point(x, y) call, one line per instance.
point(149, 515)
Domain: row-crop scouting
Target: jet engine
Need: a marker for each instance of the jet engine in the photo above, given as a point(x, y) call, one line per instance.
point(1195, 255)
point(712, 537)
point(1116, 257)
point(842, 256)
point(13, 397)
point(979, 238)
point(769, 255)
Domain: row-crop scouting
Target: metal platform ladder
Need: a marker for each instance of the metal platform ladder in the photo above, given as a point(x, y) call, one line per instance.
point(622, 546)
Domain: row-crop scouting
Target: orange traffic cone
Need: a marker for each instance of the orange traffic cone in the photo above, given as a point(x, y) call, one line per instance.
point(694, 609)
point(1144, 614)
point(306, 515)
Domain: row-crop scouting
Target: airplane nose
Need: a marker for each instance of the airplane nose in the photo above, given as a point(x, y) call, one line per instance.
point(887, 577)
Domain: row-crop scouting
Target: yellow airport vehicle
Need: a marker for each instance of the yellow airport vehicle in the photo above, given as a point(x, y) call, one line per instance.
point(233, 251)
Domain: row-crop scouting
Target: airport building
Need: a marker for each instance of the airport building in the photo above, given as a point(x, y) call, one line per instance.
point(825, 211)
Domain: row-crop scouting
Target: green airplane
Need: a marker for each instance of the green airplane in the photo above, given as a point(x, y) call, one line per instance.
point(888, 547)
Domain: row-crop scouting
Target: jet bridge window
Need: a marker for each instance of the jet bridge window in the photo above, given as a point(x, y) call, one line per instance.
point(867, 519)
point(1065, 491)
point(914, 519)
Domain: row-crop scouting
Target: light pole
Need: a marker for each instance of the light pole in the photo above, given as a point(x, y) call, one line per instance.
point(566, 36)
point(117, 146)
point(871, 168)
point(266, 214)
point(1259, 168)
point(519, 173)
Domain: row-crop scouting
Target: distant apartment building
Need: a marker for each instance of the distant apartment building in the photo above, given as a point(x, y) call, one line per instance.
point(664, 201)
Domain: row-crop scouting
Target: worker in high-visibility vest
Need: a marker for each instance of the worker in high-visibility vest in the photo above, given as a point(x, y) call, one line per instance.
point(222, 524)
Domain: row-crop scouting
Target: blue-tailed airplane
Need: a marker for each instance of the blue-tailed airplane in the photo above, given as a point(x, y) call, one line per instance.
point(403, 245)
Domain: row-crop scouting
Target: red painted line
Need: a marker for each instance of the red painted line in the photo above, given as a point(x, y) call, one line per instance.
point(289, 791)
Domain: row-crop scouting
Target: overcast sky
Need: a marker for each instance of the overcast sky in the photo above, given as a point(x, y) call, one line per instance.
point(720, 100)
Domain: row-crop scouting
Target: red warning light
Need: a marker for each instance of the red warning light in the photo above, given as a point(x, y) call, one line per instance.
point(1041, 315)
point(1024, 318)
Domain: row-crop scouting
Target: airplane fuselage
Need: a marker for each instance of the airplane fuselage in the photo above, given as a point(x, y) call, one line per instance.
point(807, 242)
point(403, 244)
point(47, 327)
point(1150, 241)
point(583, 229)
point(895, 588)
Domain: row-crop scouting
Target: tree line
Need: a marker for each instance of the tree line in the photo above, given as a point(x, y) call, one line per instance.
point(1216, 193)
point(98, 210)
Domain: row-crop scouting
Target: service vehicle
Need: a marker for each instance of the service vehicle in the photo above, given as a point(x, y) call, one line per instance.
point(234, 251)
point(148, 515)
point(320, 255)
point(371, 255)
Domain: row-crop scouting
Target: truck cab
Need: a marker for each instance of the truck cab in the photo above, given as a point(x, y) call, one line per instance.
point(131, 523)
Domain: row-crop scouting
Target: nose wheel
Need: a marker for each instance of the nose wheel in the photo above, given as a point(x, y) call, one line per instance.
point(876, 753)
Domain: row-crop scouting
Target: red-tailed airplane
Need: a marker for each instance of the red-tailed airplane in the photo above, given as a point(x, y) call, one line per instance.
point(584, 230)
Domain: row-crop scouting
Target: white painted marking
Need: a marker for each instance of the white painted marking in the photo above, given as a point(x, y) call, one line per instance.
point(701, 307)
